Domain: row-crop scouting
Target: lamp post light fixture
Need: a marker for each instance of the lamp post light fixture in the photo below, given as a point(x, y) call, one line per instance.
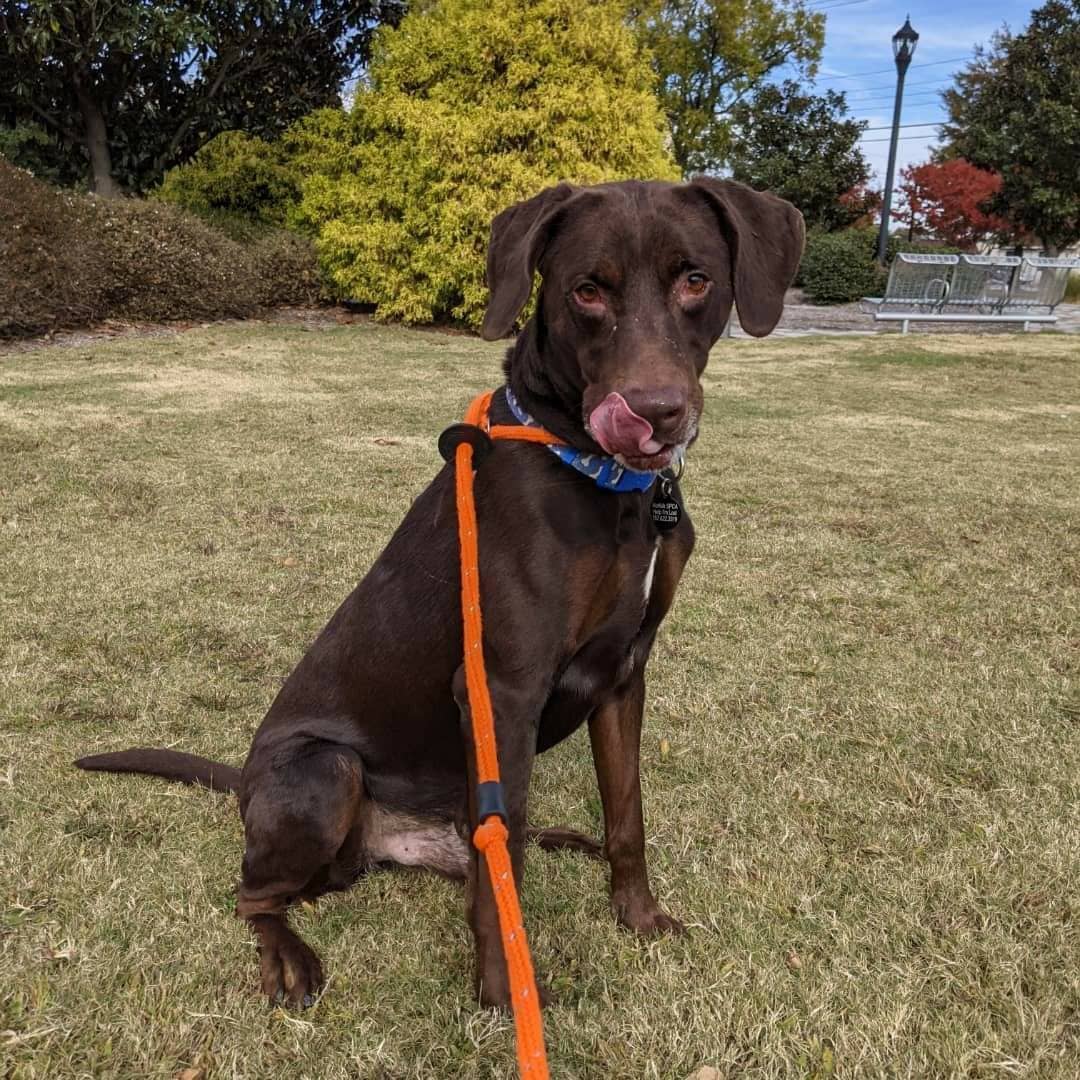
point(903, 47)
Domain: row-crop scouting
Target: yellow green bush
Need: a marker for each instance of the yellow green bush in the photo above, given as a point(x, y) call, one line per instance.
point(234, 174)
point(471, 105)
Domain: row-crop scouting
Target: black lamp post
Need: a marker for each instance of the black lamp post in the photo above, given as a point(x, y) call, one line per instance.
point(903, 47)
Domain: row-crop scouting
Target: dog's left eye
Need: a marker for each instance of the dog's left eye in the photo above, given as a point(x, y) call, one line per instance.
point(696, 283)
point(587, 293)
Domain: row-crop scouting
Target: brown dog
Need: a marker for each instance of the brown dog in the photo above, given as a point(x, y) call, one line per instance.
point(364, 757)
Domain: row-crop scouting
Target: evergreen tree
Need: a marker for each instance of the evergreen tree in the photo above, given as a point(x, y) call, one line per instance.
point(804, 148)
point(1014, 112)
point(123, 89)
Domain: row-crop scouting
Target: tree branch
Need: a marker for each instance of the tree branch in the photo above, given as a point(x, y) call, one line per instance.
point(68, 133)
point(185, 125)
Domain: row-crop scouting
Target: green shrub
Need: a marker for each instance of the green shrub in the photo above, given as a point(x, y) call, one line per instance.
point(237, 175)
point(473, 104)
point(839, 267)
point(32, 147)
point(1072, 290)
point(812, 235)
point(285, 269)
point(69, 259)
point(238, 227)
point(160, 263)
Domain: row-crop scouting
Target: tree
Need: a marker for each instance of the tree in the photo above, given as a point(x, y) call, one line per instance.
point(710, 54)
point(32, 148)
point(804, 148)
point(472, 105)
point(1013, 111)
point(862, 204)
point(949, 200)
point(137, 85)
point(912, 210)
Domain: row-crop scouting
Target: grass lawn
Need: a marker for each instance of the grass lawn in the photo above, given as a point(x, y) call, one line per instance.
point(862, 747)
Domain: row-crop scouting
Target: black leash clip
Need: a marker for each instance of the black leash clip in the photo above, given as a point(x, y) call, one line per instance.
point(456, 434)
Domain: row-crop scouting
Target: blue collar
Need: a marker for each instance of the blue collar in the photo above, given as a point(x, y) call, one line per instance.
point(604, 471)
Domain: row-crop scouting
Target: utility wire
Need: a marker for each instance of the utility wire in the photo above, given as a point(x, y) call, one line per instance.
point(920, 103)
point(885, 71)
point(882, 87)
point(889, 91)
point(880, 114)
point(927, 103)
point(840, 3)
point(888, 127)
point(904, 138)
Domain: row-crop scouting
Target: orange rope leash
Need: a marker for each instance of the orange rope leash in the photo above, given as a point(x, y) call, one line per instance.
point(491, 834)
point(524, 434)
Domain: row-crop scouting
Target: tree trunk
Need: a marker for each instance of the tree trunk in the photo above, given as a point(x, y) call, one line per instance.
point(1050, 249)
point(97, 142)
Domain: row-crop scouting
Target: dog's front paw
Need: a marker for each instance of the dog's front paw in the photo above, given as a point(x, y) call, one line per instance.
point(644, 916)
point(291, 973)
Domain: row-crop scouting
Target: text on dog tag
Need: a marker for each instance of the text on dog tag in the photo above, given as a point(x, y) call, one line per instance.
point(666, 508)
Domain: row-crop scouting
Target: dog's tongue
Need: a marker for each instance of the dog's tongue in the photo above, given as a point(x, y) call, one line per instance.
point(619, 430)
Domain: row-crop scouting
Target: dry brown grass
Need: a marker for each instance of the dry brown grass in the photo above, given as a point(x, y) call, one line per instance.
point(868, 812)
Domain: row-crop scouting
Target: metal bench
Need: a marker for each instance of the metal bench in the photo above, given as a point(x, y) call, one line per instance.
point(972, 288)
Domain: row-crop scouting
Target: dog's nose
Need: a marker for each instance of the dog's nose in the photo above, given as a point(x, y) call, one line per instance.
point(664, 407)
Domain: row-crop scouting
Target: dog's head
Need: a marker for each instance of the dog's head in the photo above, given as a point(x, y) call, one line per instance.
point(638, 283)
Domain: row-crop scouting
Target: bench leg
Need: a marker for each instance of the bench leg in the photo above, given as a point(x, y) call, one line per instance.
point(903, 327)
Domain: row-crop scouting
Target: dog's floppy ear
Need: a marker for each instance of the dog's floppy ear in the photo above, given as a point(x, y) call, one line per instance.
point(766, 235)
point(518, 236)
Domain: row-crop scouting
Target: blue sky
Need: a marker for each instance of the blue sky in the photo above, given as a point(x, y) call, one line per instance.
point(858, 59)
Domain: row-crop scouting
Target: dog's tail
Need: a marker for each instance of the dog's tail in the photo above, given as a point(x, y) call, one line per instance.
point(171, 764)
point(566, 840)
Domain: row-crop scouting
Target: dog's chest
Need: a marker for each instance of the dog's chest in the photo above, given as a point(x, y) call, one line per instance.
point(650, 573)
point(602, 656)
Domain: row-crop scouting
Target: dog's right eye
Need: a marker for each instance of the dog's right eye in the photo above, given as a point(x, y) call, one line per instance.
point(587, 293)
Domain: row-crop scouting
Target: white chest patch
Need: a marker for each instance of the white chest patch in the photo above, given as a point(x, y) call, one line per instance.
point(647, 589)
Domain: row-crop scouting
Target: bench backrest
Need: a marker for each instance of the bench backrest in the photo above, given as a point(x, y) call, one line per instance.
point(1041, 282)
point(984, 284)
point(982, 281)
point(919, 279)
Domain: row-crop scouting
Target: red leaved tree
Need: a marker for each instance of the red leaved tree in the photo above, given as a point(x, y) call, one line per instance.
point(863, 203)
point(946, 199)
